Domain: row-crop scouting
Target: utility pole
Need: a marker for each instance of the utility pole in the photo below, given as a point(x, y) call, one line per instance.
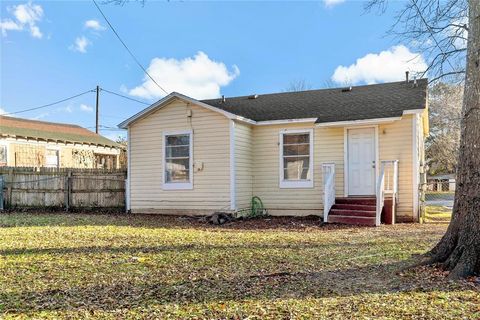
point(96, 110)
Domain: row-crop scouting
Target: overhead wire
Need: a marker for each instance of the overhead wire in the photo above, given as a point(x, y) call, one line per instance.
point(123, 96)
point(128, 49)
point(49, 104)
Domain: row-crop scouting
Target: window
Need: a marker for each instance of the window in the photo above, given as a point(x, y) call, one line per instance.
point(3, 155)
point(296, 161)
point(51, 158)
point(177, 172)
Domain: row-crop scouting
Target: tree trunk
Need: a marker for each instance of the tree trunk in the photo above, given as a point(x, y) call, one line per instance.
point(459, 249)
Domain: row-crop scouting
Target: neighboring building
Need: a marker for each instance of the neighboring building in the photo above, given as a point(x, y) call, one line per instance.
point(32, 143)
point(324, 152)
point(441, 182)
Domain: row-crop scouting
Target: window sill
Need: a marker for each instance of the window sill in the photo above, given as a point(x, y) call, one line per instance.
point(285, 184)
point(178, 186)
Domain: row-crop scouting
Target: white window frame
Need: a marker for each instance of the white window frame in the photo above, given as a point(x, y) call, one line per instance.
point(177, 185)
point(52, 148)
point(287, 184)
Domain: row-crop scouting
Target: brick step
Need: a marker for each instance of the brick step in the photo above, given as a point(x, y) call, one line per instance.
point(354, 206)
point(361, 201)
point(364, 221)
point(352, 213)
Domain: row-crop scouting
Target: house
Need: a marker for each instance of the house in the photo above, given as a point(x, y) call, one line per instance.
point(344, 154)
point(441, 182)
point(32, 143)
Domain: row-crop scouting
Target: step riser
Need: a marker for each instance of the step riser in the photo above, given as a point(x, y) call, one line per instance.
point(352, 213)
point(345, 206)
point(357, 201)
point(352, 220)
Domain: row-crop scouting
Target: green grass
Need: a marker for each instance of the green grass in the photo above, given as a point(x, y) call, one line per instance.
point(438, 214)
point(110, 267)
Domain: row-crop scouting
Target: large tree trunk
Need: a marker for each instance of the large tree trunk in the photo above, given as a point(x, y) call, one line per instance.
point(459, 249)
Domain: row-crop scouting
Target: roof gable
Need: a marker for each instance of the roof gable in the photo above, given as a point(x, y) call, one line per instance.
point(169, 98)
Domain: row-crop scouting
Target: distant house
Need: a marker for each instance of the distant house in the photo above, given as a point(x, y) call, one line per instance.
point(338, 153)
point(31, 143)
point(441, 182)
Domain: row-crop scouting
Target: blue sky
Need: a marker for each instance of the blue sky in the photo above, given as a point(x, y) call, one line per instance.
point(53, 49)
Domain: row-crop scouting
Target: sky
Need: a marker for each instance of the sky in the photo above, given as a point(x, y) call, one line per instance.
point(51, 50)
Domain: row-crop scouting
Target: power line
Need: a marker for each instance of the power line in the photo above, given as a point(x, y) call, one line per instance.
point(121, 95)
point(50, 104)
point(126, 47)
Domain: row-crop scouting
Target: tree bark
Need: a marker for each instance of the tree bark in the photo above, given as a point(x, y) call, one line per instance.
point(459, 249)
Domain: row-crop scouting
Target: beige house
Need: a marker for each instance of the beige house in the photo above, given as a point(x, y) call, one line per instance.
point(32, 143)
point(344, 154)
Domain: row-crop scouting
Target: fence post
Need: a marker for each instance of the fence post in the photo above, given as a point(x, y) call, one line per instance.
point(68, 190)
point(127, 198)
point(1, 192)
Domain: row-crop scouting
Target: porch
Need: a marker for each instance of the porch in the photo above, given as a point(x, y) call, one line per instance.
point(371, 210)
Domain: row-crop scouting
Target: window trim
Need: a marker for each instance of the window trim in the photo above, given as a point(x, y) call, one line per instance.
point(294, 184)
point(5, 145)
point(177, 185)
point(53, 148)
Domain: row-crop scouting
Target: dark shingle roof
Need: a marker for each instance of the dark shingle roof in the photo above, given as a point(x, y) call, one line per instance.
point(330, 105)
point(34, 129)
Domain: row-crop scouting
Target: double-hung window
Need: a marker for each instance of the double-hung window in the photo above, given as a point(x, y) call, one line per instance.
point(296, 159)
point(177, 164)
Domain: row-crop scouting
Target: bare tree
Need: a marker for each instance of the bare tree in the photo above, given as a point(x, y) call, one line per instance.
point(297, 85)
point(459, 249)
point(437, 29)
point(445, 109)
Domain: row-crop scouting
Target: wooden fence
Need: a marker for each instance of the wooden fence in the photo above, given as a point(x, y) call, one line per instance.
point(23, 187)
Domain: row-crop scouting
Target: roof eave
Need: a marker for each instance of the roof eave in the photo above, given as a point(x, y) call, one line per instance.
point(358, 122)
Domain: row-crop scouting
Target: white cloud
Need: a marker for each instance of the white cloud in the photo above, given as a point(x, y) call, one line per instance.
point(80, 45)
point(94, 25)
point(66, 109)
point(86, 108)
point(4, 112)
point(26, 18)
point(388, 65)
point(332, 3)
point(198, 77)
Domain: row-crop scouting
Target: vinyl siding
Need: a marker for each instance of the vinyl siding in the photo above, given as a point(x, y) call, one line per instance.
point(211, 185)
point(396, 143)
point(328, 147)
point(257, 163)
point(243, 164)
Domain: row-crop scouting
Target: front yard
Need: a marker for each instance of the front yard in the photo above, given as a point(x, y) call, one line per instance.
point(100, 266)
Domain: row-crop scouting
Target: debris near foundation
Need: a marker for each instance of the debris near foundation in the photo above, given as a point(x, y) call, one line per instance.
point(256, 210)
point(219, 218)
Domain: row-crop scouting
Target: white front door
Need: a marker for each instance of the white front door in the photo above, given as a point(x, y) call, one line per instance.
point(361, 161)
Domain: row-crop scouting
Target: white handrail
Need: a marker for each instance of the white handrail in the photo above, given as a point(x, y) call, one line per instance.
point(328, 188)
point(387, 182)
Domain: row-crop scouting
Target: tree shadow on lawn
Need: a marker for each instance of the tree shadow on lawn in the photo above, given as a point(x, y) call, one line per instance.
point(164, 221)
point(372, 279)
point(136, 250)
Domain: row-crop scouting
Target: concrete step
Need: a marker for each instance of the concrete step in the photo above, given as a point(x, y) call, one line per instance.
point(353, 213)
point(364, 221)
point(349, 206)
point(369, 201)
